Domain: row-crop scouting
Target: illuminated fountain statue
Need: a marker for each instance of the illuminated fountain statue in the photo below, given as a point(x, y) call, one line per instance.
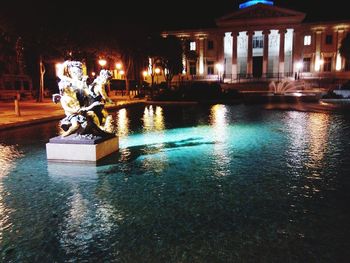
point(83, 104)
point(286, 86)
point(87, 131)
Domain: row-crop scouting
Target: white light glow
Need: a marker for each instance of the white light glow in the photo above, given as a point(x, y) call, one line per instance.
point(219, 67)
point(318, 64)
point(338, 63)
point(118, 65)
point(102, 62)
point(299, 65)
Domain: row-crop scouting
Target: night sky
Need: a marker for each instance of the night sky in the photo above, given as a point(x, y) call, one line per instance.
point(143, 17)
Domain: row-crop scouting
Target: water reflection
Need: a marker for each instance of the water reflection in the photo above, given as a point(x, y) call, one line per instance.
point(318, 125)
point(220, 133)
point(88, 216)
point(8, 157)
point(153, 120)
point(72, 172)
point(122, 123)
point(297, 123)
point(309, 134)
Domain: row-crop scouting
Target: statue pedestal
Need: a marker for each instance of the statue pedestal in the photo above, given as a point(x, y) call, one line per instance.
point(75, 148)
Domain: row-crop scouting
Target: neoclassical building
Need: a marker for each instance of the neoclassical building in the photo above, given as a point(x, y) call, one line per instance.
point(263, 41)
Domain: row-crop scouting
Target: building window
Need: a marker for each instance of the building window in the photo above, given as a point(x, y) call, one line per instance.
point(210, 65)
point(258, 42)
point(306, 64)
point(329, 39)
point(327, 64)
point(210, 44)
point(192, 45)
point(307, 40)
point(193, 70)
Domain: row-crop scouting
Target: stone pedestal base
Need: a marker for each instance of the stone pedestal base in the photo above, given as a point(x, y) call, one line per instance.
point(74, 148)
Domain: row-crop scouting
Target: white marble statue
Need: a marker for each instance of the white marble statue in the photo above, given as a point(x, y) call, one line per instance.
point(83, 104)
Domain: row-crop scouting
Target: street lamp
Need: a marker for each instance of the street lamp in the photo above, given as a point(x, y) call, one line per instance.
point(121, 72)
point(118, 67)
point(102, 62)
point(144, 74)
point(157, 71)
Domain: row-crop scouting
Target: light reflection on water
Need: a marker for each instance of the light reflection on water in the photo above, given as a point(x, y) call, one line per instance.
point(220, 127)
point(8, 157)
point(224, 183)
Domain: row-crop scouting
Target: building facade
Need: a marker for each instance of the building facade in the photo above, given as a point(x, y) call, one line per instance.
point(263, 41)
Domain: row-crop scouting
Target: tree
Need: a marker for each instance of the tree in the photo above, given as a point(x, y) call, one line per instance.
point(171, 54)
point(7, 53)
point(166, 53)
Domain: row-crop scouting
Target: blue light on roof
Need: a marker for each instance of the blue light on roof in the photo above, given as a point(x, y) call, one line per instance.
point(254, 2)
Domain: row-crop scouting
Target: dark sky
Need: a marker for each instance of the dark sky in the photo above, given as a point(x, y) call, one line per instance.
point(143, 16)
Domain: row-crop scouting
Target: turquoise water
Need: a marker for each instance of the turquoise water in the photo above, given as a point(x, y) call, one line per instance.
point(189, 184)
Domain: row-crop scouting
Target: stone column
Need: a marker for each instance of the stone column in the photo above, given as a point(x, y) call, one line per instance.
point(318, 41)
point(201, 55)
point(250, 53)
point(281, 55)
point(296, 52)
point(266, 34)
point(339, 63)
point(234, 55)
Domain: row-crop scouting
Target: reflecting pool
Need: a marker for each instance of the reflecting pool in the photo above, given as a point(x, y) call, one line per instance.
point(207, 183)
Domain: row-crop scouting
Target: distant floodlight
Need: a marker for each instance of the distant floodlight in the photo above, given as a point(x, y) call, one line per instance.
point(102, 62)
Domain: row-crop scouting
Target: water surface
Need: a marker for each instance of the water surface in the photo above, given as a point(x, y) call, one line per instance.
point(189, 184)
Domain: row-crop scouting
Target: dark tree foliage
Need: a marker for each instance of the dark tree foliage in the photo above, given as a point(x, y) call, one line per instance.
point(166, 52)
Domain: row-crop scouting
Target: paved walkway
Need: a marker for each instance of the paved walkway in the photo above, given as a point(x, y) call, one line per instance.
point(33, 112)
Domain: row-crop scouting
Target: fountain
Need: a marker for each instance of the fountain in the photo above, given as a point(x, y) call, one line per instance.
point(87, 131)
point(292, 89)
point(286, 86)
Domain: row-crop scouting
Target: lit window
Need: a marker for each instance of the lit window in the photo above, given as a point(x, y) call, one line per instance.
point(192, 45)
point(307, 40)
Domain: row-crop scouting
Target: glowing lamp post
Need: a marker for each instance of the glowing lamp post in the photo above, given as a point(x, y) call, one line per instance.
point(157, 71)
point(144, 74)
point(102, 62)
point(118, 67)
